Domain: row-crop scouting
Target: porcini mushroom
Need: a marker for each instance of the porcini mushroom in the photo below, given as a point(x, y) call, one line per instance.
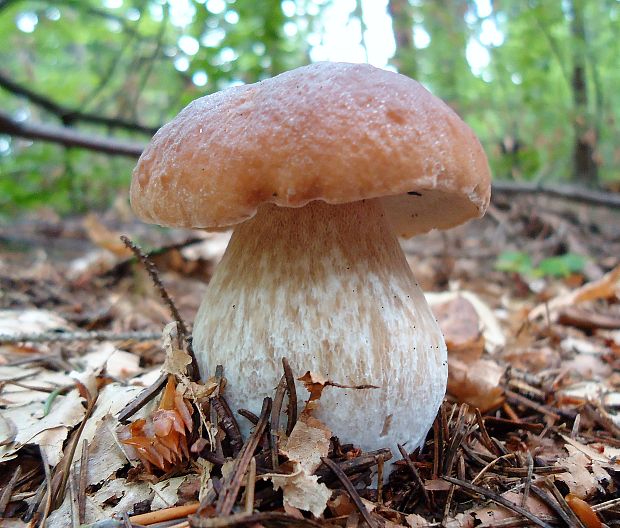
point(319, 169)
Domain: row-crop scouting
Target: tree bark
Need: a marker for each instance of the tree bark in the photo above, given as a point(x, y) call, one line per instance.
point(585, 169)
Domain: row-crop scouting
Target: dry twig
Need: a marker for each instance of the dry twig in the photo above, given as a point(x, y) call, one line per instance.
point(350, 489)
point(498, 499)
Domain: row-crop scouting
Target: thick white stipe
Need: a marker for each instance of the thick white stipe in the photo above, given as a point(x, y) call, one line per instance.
point(328, 287)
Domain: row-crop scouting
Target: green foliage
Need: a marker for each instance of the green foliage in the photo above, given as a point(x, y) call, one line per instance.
point(514, 262)
point(508, 71)
point(560, 266)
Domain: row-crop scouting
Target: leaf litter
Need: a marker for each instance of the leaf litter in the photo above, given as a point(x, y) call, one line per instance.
point(530, 422)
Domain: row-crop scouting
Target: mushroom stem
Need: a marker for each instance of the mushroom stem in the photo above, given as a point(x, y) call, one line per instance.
point(329, 287)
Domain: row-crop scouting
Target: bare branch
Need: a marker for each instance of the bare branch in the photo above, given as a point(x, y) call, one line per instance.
point(68, 115)
point(567, 192)
point(68, 137)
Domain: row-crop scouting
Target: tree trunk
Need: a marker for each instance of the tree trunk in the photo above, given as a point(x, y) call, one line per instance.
point(445, 22)
point(585, 169)
point(404, 58)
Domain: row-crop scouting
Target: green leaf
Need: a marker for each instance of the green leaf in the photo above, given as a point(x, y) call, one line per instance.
point(514, 262)
point(561, 266)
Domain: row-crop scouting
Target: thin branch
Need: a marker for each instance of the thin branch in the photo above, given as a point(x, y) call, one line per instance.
point(151, 269)
point(5, 496)
point(567, 192)
point(356, 465)
point(291, 410)
point(143, 398)
point(70, 115)
point(231, 488)
point(416, 475)
point(99, 335)
point(498, 499)
point(350, 489)
point(184, 333)
point(68, 137)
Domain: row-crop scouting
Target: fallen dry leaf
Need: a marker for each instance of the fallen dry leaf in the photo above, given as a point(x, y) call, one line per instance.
point(14, 322)
point(104, 237)
point(460, 325)
point(177, 359)
point(49, 431)
point(166, 492)
point(416, 521)
point(340, 504)
point(314, 383)
point(302, 491)
point(577, 477)
point(13, 395)
point(590, 452)
point(493, 513)
point(105, 457)
point(603, 288)
point(308, 442)
point(489, 325)
point(476, 383)
point(112, 399)
point(117, 363)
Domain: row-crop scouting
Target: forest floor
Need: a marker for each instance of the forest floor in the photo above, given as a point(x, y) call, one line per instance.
point(529, 434)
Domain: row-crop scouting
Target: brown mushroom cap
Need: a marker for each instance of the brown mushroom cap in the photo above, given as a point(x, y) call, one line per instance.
point(335, 132)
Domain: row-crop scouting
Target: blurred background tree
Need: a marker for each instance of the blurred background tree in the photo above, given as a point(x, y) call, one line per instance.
point(537, 79)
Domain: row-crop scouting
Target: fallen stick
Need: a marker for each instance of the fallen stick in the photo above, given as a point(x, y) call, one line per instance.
point(99, 335)
point(167, 514)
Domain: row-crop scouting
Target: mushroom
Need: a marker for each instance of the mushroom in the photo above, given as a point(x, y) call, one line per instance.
point(319, 169)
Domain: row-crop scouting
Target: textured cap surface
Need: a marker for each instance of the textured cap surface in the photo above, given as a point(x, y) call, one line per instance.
point(329, 131)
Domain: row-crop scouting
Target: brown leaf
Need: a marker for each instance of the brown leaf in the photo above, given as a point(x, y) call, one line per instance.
point(476, 383)
point(480, 321)
point(177, 358)
point(308, 442)
point(341, 504)
point(493, 513)
point(603, 288)
point(302, 491)
point(103, 237)
point(314, 383)
point(460, 325)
